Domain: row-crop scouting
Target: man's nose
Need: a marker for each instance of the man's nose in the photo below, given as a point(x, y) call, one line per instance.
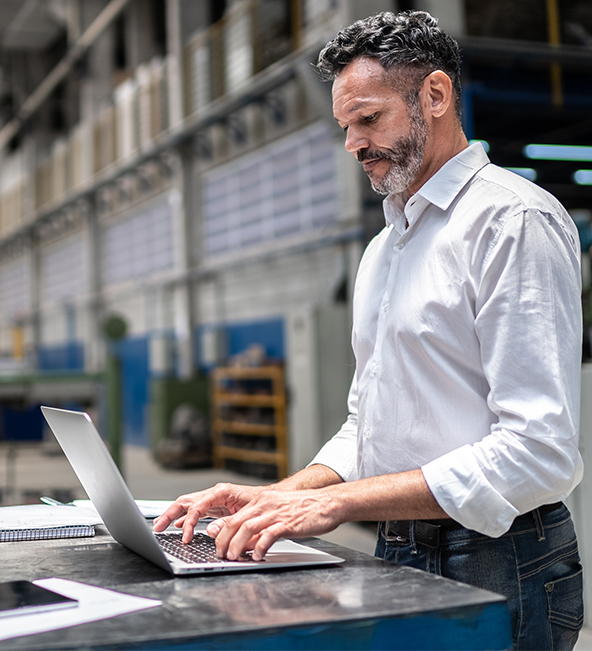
point(355, 141)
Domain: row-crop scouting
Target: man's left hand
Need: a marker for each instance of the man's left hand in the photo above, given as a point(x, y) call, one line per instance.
point(270, 515)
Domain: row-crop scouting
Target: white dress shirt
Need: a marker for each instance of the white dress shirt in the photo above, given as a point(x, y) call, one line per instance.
point(467, 336)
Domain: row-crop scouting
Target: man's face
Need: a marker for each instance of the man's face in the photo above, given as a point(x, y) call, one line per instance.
point(387, 135)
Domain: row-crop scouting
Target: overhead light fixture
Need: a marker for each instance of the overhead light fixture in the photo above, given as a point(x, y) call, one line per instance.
point(582, 177)
point(526, 172)
point(483, 142)
point(558, 152)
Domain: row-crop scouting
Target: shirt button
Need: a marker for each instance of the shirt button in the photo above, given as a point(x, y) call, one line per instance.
point(399, 245)
point(386, 306)
point(374, 367)
point(366, 432)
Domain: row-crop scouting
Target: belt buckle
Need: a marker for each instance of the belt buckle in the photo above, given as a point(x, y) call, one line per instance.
point(426, 533)
point(392, 533)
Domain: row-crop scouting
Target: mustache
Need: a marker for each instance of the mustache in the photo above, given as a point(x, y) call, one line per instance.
point(369, 154)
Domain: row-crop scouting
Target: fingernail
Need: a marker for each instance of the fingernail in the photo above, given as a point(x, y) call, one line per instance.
point(213, 529)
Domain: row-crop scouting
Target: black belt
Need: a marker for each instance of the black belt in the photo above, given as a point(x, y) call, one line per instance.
point(427, 532)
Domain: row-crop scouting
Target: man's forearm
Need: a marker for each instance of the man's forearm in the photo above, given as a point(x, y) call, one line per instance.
point(298, 512)
point(400, 496)
point(315, 476)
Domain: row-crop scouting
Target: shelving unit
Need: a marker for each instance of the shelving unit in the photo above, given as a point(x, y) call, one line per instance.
point(249, 420)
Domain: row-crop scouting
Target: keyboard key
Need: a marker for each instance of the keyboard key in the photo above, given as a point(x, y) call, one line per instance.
point(202, 549)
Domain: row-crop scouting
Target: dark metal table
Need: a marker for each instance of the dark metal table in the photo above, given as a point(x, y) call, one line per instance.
point(364, 604)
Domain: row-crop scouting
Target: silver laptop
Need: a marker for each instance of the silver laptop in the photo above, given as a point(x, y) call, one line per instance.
point(101, 479)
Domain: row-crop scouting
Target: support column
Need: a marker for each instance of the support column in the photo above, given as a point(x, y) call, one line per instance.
point(175, 62)
point(181, 199)
point(94, 349)
point(34, 337)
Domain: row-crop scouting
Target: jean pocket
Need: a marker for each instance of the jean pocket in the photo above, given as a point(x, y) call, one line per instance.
point(566, 609)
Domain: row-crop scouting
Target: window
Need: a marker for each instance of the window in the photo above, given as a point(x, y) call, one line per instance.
point(288, 187)
point(140, 245)
point(14, 288)
point(64, 269)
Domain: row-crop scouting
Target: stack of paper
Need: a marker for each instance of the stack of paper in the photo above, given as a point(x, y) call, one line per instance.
point(40, 522)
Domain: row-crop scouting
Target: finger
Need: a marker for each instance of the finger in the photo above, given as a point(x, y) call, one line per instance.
point(214, 528)
point(226, 532)
point(187, 509)
point(266, 539)
point(198, 509)
point(165, 520)
point(189, 521)
point(237, 535)
point(217, 512)
point(174, 511)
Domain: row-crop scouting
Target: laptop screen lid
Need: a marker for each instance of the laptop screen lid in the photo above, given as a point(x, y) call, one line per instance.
point(102, 481)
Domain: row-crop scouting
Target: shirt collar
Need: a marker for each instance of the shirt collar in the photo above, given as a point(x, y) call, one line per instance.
point(443, 187)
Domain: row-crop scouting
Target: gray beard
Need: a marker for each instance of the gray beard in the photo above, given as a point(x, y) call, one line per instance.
point(406, 157)
point(398, 178)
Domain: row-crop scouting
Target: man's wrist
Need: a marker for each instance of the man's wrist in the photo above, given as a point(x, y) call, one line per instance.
point(314, 476)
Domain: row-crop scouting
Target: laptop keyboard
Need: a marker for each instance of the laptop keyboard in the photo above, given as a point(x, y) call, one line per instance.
point(201, 549)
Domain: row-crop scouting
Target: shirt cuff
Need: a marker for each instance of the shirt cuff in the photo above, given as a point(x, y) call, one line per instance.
point(460, 488)
point(332, 455)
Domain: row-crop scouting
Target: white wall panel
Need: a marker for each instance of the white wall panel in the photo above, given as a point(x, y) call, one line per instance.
point(272, 288)
point(14, 288)
point(53, 328)
point(138, 245)
point(287, 187)
point(64, 269)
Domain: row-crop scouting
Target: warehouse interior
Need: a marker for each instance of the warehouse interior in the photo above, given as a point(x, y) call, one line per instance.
point(180, 225)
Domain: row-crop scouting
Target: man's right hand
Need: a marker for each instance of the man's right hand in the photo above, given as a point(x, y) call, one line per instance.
point(218, 501)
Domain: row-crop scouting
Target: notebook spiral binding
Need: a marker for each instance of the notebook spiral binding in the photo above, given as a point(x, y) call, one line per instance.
point(46, 533)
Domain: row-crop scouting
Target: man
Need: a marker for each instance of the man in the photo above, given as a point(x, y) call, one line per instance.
point(463, 426)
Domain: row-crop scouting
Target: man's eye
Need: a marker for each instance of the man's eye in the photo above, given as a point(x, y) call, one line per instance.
point(371, 118)
point(344, 129)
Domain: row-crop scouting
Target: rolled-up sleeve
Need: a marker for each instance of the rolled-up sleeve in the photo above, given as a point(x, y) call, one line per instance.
point(340, 452)
point(528, 323)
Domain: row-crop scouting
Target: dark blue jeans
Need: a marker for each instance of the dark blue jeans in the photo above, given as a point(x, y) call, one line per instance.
point(535, 565)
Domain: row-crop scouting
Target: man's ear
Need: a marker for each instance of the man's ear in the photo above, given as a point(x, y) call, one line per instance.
point(438, 93)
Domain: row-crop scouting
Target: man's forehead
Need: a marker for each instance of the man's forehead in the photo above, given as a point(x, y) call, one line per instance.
point(359, 86)
point(358, 106)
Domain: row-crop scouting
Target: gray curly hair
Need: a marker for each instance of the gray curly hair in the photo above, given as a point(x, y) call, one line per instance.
point(409, 43)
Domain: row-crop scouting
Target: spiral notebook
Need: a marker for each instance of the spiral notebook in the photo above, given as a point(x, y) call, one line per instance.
point(42, 522)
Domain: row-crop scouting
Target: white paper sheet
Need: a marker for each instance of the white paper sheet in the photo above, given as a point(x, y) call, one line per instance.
point(41, 515)
point(94, 604)
point(148, 508)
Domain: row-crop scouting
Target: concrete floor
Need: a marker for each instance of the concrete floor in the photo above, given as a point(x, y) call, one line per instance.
point(30, 470)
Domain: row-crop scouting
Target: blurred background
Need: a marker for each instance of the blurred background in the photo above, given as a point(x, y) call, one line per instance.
point(180, 225)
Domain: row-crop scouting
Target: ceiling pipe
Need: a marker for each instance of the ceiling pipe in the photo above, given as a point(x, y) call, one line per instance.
point(42, 92)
